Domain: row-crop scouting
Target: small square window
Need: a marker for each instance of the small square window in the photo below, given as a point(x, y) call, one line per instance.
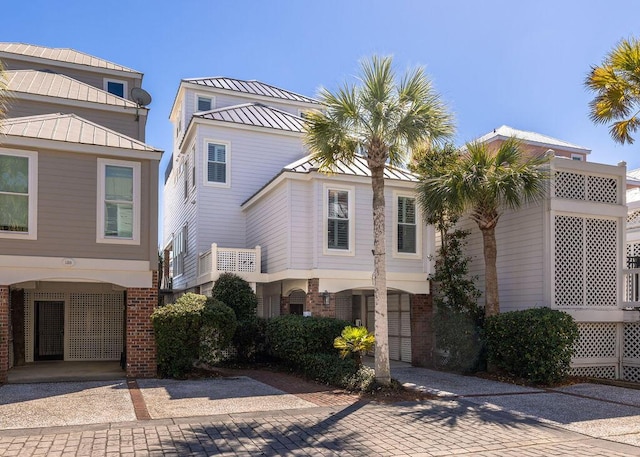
point(204, 103)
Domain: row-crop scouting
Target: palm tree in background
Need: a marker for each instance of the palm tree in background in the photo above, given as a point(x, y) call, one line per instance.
point(382, 120)
point(482, 182)
point(616, 83)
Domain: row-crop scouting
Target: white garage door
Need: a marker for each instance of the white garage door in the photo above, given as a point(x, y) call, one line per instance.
point(399, 317)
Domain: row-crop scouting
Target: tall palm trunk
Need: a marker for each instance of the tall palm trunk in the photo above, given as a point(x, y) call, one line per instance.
point(382, 368)
point(492, 304)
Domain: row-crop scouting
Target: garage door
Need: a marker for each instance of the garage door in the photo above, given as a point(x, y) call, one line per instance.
point(399, 317)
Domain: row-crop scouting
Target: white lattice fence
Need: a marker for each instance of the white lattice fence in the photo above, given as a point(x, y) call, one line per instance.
point(597, 350)
point(576, 186)
point(631, 352)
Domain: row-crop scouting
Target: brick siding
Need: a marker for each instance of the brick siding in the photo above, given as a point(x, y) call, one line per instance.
point(140, 340)
point(4, 333)
point(421, 330)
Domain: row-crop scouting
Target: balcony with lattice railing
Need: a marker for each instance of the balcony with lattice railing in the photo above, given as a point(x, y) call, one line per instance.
point(240, 261)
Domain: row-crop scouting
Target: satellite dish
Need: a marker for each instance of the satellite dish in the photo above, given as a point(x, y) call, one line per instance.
point(140, 96)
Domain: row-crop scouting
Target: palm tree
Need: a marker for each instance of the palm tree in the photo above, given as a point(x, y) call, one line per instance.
point(381, 120)
point(482, 182)
point(616, 83)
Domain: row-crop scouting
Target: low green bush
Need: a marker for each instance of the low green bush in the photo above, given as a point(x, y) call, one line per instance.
point(249, 339)
point(459, 338)
point(534, 344)
point(174, 326)
point(327, 368)
point(291, 337)
point(193, 327)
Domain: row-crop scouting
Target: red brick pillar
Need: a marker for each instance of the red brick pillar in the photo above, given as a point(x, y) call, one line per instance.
point(421, 330)
point(315, 300)
point(284, 305)
point(140, 341)
point(4, 333)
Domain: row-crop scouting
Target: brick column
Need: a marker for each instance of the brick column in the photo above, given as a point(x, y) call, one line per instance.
point(422, 330)
point(4, 333)
point(140, 341)
point(284, 305)
point(315, 302)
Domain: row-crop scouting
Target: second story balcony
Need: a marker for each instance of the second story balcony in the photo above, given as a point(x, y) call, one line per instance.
point(243, 262)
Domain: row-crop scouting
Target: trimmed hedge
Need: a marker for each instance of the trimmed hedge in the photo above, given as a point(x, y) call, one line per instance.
point(534, 344)
point(192, 327)
point(291, 337)
point(250, 339)
point(237, 294)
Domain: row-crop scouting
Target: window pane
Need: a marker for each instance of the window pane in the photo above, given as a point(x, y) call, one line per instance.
point(338, 204)
point(217, 153)
point(119, 183)
point(406, 210)
point(14, 213)
point(118, 220)
point(115, 88)
point(338, 234)
point(14, 174)
point(204, 104)
point(217, 172)
point(407, 238)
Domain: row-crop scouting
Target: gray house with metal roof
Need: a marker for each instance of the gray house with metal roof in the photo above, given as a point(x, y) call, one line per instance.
point(78, 214)
point(242, 195)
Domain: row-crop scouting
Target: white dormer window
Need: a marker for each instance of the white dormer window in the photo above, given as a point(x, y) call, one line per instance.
point(116, 87)
point(578, 157)
point(203, 103)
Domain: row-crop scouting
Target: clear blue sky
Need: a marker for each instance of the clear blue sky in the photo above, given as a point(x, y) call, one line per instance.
point(494, 62)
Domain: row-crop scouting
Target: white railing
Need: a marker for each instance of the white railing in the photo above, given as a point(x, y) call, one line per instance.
point(229, 260)
point(631, 288)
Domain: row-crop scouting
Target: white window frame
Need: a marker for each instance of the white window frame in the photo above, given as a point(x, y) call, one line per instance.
point(577, 157)
point(179, 251)
point(351, 192)
point(125, 86)
point(205, 162)
point(100, 206)
point(406, 255)
point(184, 177)
point(32, 221)
point(201, 95)
point(193, 166)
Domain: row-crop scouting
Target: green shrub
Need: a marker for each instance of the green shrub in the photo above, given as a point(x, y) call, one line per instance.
point(175, 326)
point(354, 341)
point(459, 336)
point(327, 368)
point(535, 344)
point(249, 339)
point(291, 337)
point(237, 294)
point(216, 332)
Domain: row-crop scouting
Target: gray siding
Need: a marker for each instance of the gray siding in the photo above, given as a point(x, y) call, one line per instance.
point(123, 122)
point(67, 193)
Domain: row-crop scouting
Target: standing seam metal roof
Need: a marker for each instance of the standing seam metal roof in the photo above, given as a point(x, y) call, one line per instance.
point(66, 55)
point(256, 115)
point(60, 86)
point(358, 167)
point(250, 87)
point(523, 135)
point(70, 128)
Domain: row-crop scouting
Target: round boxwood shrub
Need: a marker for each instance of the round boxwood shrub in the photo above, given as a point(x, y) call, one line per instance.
point(534, 344)
point(216, 332)
point(237, 294)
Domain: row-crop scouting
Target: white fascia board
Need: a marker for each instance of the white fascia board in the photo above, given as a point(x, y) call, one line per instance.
point(55, 145)
point(177, 100)
point(125, 273)
point(259, 98)
point(59, 63)
point(273, 184)
point(79, 103)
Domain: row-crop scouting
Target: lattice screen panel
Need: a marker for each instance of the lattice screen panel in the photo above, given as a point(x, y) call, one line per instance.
point(246, 261)
point(603, 372)
point(633, 218)
point(631, 373)
point(95, 326)
point(633, 249)
point(601, 262)
point(570, 185)
point(226, 260)
point(596, 340)
point(569, 261)
point(602, 190)
point(631, 345)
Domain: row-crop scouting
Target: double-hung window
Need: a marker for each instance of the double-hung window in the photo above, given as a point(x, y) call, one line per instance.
point(339, 232)
point(18, 194)
point(179, 251)
point(118, 202)
point(217, 166)
point(407, 233)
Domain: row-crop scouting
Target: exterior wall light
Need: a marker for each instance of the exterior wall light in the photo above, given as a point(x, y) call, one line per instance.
point(325, 298)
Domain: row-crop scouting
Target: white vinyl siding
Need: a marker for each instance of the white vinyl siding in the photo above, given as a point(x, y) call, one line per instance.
point(118, 205)
point(18, 194)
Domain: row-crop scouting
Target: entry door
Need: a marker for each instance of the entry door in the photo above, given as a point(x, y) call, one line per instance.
point(49, 344)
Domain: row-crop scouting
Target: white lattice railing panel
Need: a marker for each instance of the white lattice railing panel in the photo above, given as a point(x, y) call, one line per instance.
point(227, 261)
point(596, 340)
point(633, 249)
point(633, 219)
point(246, 261)
point(601, 262)
point(631, 373)
point(602, 372)
point(631, 346)
point(569, 261)
point(570, 185)
point(602, 190)
point(95, 324)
